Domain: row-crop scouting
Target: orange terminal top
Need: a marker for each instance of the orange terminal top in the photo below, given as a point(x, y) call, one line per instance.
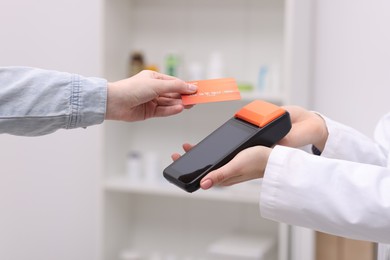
point(260, 113)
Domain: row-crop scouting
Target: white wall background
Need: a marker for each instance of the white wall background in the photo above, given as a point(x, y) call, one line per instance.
point(352, 61)
point(49, 185)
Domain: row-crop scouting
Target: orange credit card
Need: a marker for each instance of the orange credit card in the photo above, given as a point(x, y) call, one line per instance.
point(213, 90)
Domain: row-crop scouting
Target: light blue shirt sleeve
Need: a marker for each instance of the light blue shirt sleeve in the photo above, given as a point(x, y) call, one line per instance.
point(38, 102)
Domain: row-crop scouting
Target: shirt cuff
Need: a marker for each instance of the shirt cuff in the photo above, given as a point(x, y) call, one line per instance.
point(88, 101)
point(270, 187)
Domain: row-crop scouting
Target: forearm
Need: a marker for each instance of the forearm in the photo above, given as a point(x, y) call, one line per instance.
point(36, 102)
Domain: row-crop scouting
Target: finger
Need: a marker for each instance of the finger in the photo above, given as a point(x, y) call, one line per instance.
point(158, 75)
point(215, 177)
point(227, 182)
point(174, 86)
point(165, 101)
point(232, 172)
point(174, 98)
point(206, 184)
point(171, 95)
point(212, 179)
point(187, 147)
point(175, 156)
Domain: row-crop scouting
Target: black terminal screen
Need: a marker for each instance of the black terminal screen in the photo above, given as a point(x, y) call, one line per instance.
point(211, 150)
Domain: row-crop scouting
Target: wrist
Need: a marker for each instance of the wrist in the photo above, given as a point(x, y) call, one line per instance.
point(111, 100)
point(319, 144)
point(265, 153)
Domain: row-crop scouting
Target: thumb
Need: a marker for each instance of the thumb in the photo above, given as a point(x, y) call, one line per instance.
point(214, 178)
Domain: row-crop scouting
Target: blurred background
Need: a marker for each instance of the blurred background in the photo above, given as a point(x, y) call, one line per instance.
point(97, 193)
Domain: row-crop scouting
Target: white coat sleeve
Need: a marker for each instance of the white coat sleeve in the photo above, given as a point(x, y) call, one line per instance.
point(347, 143)
point(342, 197)
point(339, 197)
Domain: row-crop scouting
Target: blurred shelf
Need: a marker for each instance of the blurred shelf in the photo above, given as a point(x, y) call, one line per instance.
point(272, 34)
point(270, 97)
point(242, 193)
point(244, 246)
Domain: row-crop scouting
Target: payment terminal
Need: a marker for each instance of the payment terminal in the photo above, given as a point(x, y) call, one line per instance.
point(258, 123)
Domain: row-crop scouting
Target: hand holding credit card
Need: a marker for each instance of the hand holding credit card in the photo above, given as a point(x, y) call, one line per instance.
point(213, 90)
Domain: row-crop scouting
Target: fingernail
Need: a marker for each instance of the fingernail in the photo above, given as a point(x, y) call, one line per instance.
point(206, 184)
point(192, 87)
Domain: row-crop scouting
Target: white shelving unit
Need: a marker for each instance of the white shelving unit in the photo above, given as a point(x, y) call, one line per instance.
point(150, 217)
point(247, 194)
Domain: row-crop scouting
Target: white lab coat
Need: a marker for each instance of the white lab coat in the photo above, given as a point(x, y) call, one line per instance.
point(345, 191)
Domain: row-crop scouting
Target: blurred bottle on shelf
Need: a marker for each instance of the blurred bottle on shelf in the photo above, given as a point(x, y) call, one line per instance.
point(136, 63)
point(151, 67)
point(245, 87)
point(172, 63)
point(263, 80)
